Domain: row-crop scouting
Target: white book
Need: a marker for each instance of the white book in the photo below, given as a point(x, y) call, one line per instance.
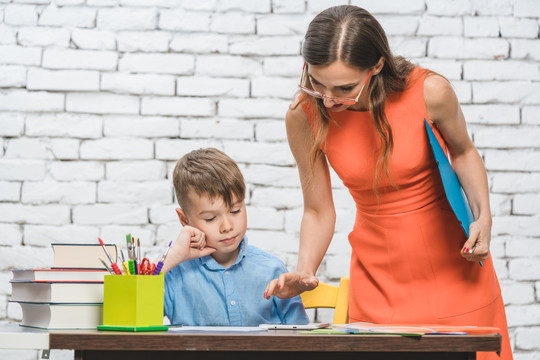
point(81, 255)
point(56, 292)
point(62, 316)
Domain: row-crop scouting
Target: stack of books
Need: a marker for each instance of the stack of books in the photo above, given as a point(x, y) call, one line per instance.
point(69, 295)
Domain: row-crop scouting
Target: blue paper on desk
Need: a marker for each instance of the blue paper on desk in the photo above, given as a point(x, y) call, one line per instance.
point(454, 193)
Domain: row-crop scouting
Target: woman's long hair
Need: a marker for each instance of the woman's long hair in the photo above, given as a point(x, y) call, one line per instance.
point(352, 35)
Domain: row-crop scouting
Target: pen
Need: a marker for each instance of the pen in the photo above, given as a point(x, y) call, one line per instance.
point(139, 259)
point(129, 246)
point(122, 254)
point(159, 265)
point(132, 262)
point(480, 262)
point(131, 265)
point(113, 264)
point(106, 266)
point(125, 265)
point(134, 254)
point(471, 250)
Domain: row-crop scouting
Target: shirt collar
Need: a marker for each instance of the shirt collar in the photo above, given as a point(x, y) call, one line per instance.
point(211, 264)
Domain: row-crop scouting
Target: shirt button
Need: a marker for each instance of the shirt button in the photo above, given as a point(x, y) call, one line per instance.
point(233, 302)
point(227, 272)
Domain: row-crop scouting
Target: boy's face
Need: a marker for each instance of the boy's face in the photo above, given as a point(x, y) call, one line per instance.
point(224, 227)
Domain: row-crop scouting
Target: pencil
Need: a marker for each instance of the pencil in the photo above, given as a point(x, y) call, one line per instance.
point(106, 266)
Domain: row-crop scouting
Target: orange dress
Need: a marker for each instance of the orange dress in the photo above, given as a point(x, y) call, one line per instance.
point(406, 265)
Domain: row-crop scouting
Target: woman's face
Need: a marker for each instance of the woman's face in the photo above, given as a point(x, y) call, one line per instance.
point(339, 80)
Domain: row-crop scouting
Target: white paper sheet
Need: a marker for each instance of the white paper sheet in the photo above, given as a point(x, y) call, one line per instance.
point(226, 329)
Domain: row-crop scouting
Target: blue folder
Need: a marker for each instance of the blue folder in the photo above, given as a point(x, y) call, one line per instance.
point(454, 193)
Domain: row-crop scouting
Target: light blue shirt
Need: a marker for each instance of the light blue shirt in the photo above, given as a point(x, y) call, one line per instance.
point(202, 292)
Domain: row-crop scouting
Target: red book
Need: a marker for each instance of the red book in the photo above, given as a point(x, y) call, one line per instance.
point(58, 274)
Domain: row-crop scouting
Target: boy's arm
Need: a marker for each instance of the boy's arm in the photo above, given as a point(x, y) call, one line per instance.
point(168, 297)
point(291, 310)
point(189, 245)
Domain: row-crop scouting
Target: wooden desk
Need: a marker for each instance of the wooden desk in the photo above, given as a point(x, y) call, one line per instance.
point(274, 344)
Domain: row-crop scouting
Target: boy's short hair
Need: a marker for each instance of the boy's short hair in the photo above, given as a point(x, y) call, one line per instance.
point(208, 172)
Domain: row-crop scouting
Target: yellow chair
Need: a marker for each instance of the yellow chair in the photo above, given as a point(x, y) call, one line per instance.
point(329, 296)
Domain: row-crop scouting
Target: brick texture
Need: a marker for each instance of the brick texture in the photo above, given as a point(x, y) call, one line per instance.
point(99, 98)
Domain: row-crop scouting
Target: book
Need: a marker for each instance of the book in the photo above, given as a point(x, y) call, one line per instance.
point(452, 188)
point(56, 292)
point(415, 329)
point(67, 296)
point(75, 256)
point(62, 316)
point(58, 274)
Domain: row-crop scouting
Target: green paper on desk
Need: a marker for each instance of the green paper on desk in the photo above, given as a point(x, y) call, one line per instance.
point(132, 328)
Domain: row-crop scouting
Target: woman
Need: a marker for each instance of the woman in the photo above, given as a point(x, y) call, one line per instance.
point(363, 110)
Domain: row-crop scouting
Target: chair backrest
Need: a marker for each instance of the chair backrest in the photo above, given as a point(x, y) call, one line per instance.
point(329, 296)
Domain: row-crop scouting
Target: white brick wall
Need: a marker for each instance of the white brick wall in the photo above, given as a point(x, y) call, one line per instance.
point(62, 80)
point(12, 76)
point(43, 36)
point(79, 59)
point(99, 98)
point(93, 39)
point(138, 84)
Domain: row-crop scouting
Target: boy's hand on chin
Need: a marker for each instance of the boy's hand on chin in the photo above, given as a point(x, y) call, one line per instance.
point(190, 244)
point(198, 239)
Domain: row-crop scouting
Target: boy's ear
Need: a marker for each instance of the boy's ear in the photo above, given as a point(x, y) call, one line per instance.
point(182, 216)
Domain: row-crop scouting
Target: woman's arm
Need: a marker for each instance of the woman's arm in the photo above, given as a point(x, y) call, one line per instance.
point(318, 220)
point(444, 111)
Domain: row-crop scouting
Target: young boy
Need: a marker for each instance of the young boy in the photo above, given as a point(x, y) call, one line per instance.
point(213, 277)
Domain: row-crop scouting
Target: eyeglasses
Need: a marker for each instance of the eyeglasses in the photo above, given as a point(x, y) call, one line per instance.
point(340, 100)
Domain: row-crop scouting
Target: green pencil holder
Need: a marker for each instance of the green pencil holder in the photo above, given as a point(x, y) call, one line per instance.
point(133, 302)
